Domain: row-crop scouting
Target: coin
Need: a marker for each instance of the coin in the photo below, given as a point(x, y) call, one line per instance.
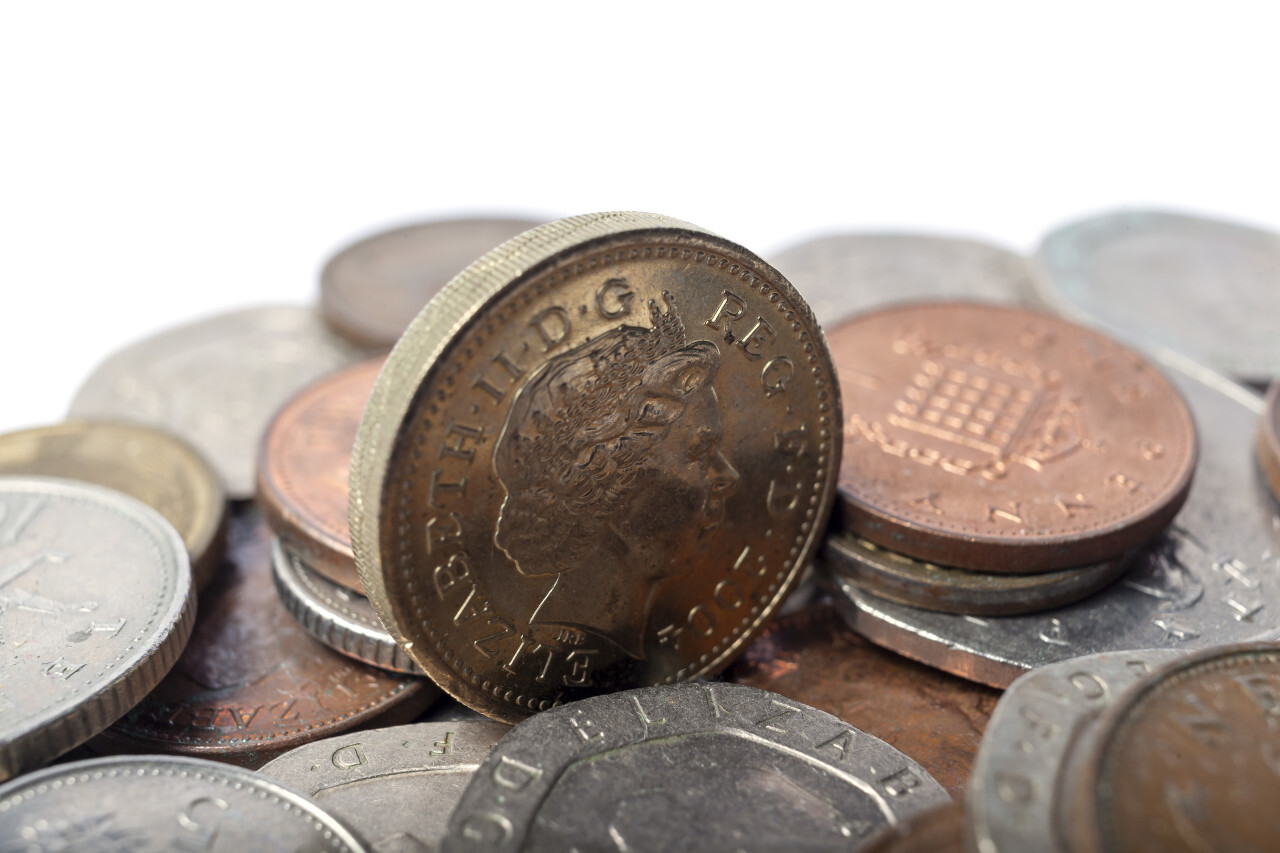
point(841, 275)
point(812, 657)
point(939, 830)
point(395, 786)
point(1186, 760)
point(686, 767)
point(157, 468)
point(341, 619)
point(997, 439)
point(155, 803)
point(600, 458)
point(1017, 781)
point(252, 682)
point(1209, 579)
point(1203, 287)
point(95, 605)
point(903, 580)
point(216, 382)
point(1268, 440)
point(372, 290)
point(303, 466)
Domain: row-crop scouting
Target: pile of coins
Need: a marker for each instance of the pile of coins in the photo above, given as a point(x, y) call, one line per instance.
point(515, 553)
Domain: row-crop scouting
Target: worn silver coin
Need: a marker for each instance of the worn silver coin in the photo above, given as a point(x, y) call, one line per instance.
point(216, 382)
point(162, 803)
point(1203, 287)
point(687, 767)
point(1015, 788)
point(1210, 578)
point(96, 604)
point(396, 786)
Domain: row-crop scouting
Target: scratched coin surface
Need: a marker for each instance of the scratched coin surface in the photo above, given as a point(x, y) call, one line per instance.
point(395, 786)
point(687, 767)
point(1268, 440)
point(1017, 783)
point(252, 682)
point(1187, 760)
point(1203, 287)
point(842, 275)
point(95, 606)
point(216, 382)
point(303, 467)
point(998, 439)
point(1209, 579)
point(601, 458)
point(812, 657)
point(157, 468)
point(150, 804)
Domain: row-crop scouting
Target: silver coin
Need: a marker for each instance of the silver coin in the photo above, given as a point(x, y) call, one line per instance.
point(687, 767)
point(846, 274)
point(343, 620)
point(396, 786)
point(96, 604)
point(1013, 792)
point(1211, 578)
point(218, 381)
point(1206, 288)
point(162, 803)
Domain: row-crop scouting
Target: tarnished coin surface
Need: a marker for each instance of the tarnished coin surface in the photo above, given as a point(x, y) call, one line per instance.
point(395, 786)
point(252, 682)
point(1203, 287)
point(95, 606)
point(939, 830)
point(687, 767)
point(1187, 760)
point(845, 274)
point(600, 458)
point(157, 468)
point(1268, 440)
point(1210, 578)
point(1002, 440)
point(162, 803)
point(304, 465)
point(372, 290)
point(216, 382)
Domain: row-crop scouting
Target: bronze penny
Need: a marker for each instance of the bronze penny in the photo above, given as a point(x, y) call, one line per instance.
point(252, 682)
point(1268, 442)
point(599, 459)
point(813, 657)
point(303, 465)
point(1002, 440)
point(1187, 760)
point(939, 830)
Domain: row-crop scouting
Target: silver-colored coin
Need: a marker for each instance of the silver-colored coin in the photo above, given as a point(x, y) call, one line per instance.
point(343, 620)
point(1014, 792)
point(96, 604)
point(1203, 287)
point(218, 381)
point(162, 803)
point(1209, 579)
point(395, 786)
point(846, 274)
point(687, 767)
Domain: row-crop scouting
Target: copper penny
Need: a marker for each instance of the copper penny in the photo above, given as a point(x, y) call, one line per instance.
point(1268, 442)
point(813, 657)
point(1002, 440)
point(939, 830)
point(1187, 760)
point(303, 465)
point(252, 682)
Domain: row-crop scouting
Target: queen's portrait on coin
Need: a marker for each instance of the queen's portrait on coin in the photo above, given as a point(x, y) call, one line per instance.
point(610, 458)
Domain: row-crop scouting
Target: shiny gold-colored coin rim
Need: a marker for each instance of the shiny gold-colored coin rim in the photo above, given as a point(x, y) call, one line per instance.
point(1268, 441)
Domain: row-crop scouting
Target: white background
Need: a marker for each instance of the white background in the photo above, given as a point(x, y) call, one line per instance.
point(161, 161)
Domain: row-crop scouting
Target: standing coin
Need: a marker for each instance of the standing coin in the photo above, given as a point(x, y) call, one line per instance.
point(600, 458)
point(1001, 440)
point(95, 605)
point(372, 290)
point(1268, 440)
point(687, 767)
point(155, 467)
point(303, 467)
point(217, 382)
